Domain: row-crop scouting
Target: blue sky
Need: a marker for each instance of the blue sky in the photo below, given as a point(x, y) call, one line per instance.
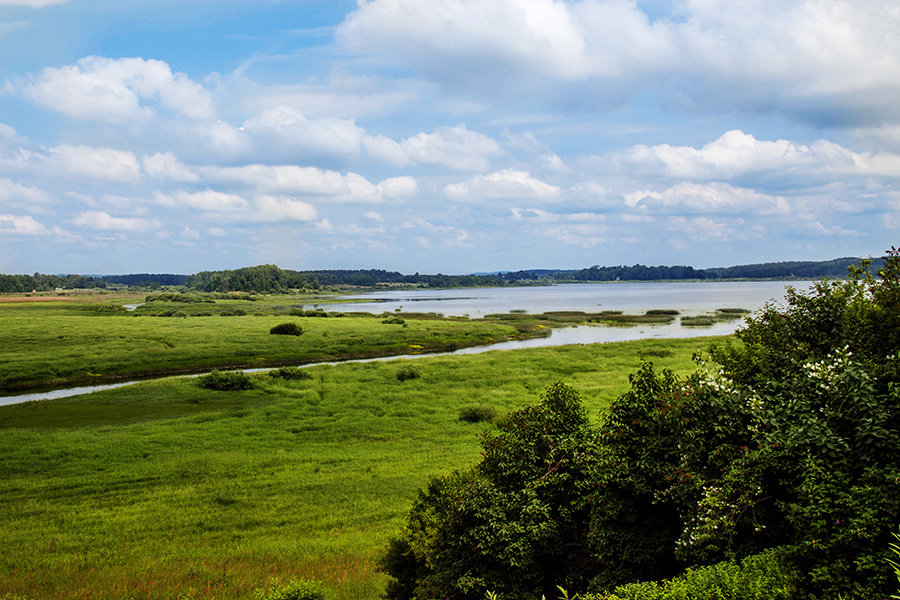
point(445, 135)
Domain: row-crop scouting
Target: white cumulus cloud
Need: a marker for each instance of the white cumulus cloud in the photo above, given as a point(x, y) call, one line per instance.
point(713, 197)
point(504, 184)
point(21, 225)
point(102, 221)
point(115, 90)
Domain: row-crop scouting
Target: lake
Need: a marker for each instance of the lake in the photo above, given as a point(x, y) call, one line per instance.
point(691, 298)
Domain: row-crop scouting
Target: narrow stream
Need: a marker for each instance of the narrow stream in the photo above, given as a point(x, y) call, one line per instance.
point(586, 334)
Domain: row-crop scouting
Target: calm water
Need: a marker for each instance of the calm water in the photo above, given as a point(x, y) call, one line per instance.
point(690, 298)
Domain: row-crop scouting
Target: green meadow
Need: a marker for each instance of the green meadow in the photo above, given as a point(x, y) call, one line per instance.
point(164, 489)
point(94, 340)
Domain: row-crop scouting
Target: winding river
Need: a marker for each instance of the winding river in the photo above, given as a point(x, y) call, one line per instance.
point(690, 298)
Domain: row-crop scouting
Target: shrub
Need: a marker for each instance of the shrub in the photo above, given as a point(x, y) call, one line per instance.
point(226, 380)
point(766, 576)
point(286, 329)
point(394, 320)
point(289, 373)
point(408, 373)
point(477, 414)
point(235, 312)
point(662, 311)
point(514, 524)
point(296, 589)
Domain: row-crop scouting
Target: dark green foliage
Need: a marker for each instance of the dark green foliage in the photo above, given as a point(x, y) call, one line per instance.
point(297, 589)
point(477, 414)
point(45, 283)
point(394, 320)
point(286, 329)
point(791, 442)
point(515, 524)
point(226, 380)
point(662, 311)
point(289, 373)
point(236, 312)
point(407, 373)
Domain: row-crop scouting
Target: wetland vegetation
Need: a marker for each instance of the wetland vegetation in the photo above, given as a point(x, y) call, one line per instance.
point(773, 467)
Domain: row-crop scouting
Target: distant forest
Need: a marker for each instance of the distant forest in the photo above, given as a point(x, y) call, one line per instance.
point(270, 278)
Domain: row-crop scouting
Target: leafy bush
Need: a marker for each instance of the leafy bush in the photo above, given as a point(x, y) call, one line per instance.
point(226, 380)
point(407, 373)
point(297, 589)
point(289, 373)
point(477, 414)
point(515, 523)
point(234, 312)
point(764, 576)
point(790, 442)
point(394, 320)
point(286, 329)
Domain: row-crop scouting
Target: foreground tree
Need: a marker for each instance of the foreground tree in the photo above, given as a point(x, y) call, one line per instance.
point(785, 448)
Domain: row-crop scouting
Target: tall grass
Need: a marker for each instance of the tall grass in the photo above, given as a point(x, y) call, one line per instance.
point(165, 489)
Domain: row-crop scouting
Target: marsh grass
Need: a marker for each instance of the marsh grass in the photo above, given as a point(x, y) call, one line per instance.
point(56, 344)
point(165, 489)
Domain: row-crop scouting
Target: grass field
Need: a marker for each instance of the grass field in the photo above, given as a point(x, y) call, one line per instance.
point(166, 490)
point(91, 339)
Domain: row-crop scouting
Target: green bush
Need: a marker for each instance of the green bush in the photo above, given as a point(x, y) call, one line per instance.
point(296, 589)
point(407, 373)
point(234, 312)
point(394, 320)
point(477, 414)
point(226, 380)
point(286, 329)
point(786, 450)
point(514, 524)
point(289, 373)
point(766, 576)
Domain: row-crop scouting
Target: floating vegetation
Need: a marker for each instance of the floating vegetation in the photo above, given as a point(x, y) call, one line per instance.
point(720, 315)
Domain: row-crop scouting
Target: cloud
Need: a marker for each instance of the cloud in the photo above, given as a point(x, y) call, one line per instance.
point(165, 166)
point(312, 181)
point(21, 195)
point(206, 200)
point(709, 198)
point(285, 128)
point(826, 61)
point(21, 225)
point(504, 184)
point(452, 147)
point(115, 90)
point(104, 222)
point(737, 154)
point(282, 208)
point(105, 164)
point(704, 229)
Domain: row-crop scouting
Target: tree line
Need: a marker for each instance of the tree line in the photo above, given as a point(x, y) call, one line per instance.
point(270, 278)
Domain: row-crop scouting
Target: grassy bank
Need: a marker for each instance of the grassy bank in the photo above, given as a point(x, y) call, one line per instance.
point(165, 489)
point(46, 344)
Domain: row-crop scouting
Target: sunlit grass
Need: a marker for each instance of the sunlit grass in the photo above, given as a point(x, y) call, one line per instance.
point(164, 488)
